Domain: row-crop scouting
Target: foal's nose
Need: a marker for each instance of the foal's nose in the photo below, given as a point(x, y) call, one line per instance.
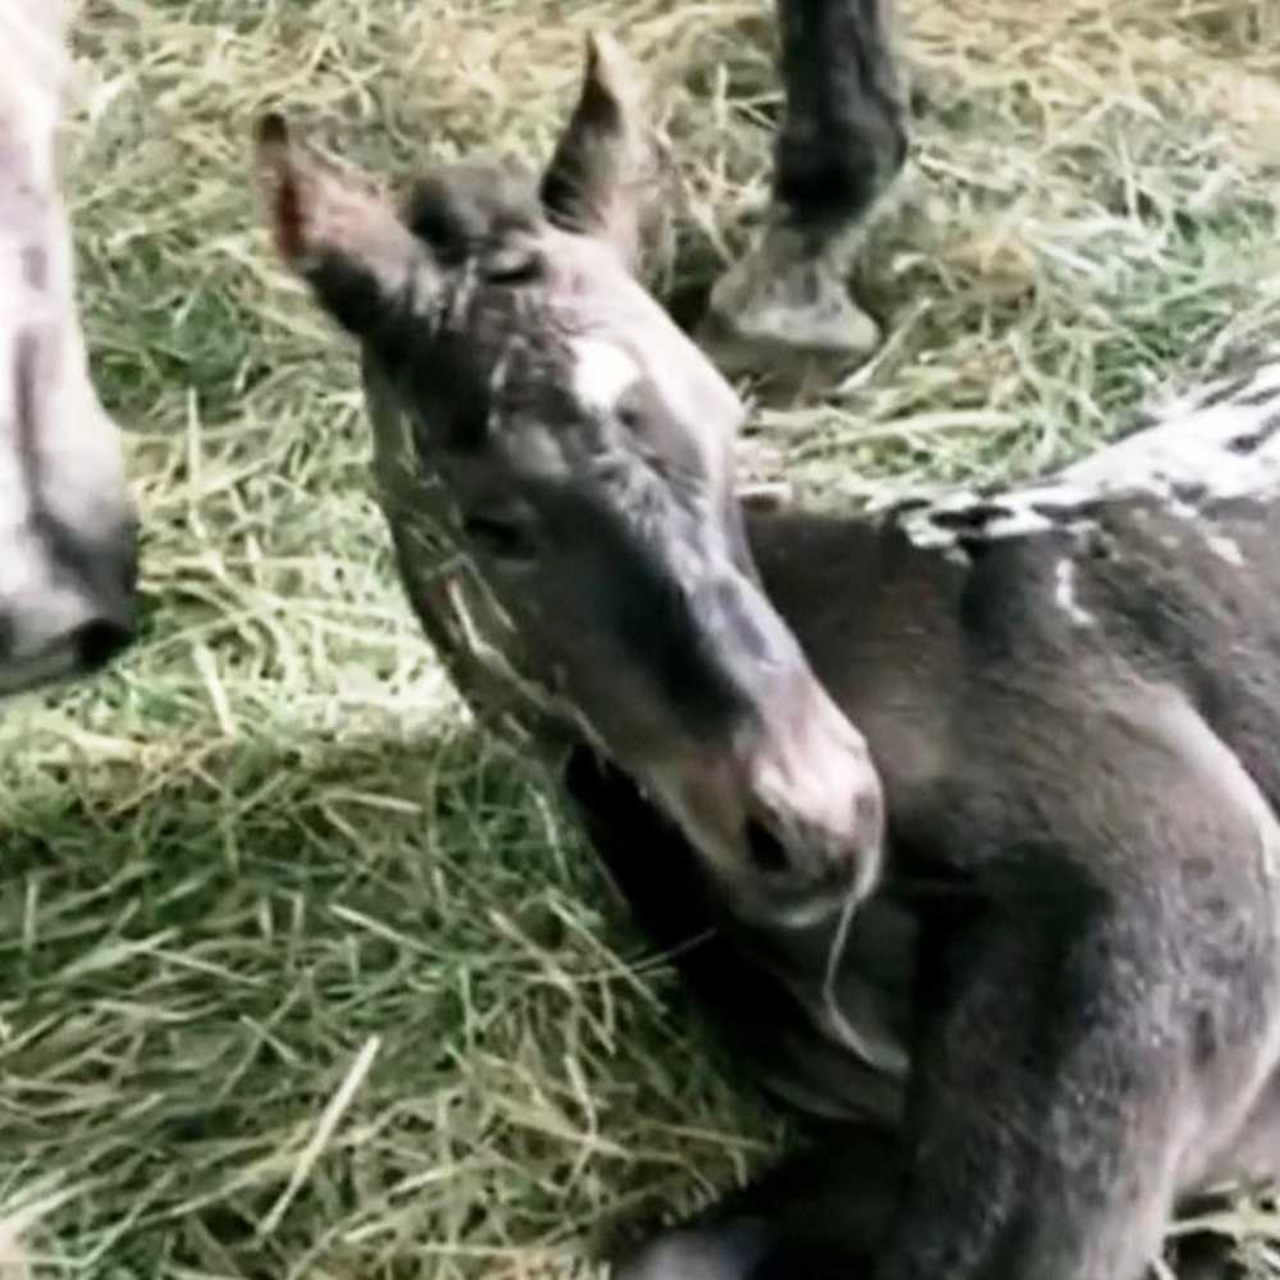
point(813, 807)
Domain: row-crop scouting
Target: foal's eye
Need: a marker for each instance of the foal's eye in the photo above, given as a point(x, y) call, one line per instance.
point(501, 539)
point(629, 416)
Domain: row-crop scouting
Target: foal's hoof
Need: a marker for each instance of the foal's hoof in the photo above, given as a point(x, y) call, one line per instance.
point(786, 308)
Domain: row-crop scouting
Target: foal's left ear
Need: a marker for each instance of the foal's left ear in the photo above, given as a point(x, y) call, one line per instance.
point(597, 179)
point(338, 233)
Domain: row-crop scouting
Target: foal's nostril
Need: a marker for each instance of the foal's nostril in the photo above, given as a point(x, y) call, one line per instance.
point(766, 850)
point(97, 642)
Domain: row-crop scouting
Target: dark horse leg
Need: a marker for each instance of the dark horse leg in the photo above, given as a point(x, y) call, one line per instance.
point(841, 144)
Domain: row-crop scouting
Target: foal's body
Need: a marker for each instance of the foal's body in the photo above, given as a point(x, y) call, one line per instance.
point(961, 819)
point(1079, 922)
point(1072, 694)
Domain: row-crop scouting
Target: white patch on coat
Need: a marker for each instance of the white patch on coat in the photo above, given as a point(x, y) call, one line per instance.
point(1200, 450)
point(1224, 548)
point(1065, 594)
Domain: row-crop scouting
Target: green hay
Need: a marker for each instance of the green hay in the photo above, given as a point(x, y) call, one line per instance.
point(301, 977)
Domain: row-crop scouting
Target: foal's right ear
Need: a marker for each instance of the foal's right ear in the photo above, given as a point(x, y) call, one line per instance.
point(339, 234)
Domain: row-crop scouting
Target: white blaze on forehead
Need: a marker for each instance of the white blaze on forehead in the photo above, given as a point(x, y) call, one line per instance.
point(602, 373)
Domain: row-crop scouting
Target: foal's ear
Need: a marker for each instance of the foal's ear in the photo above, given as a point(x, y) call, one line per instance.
point(597, 177)
point(339, 234)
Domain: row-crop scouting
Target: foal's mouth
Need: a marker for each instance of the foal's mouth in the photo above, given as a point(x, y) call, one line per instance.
point(790, 823)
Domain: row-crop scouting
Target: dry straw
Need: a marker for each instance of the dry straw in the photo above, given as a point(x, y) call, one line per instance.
point(270, 840)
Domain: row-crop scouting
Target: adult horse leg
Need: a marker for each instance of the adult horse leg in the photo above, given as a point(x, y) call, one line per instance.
point(841, 144)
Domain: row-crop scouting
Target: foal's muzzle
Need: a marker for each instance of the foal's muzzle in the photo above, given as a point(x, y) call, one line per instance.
point(790, 816)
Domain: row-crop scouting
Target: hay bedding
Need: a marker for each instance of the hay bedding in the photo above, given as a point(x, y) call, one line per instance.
point(301, 976)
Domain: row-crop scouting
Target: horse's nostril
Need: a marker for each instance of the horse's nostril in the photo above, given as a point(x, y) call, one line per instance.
point(766, 850)
point(99, 641)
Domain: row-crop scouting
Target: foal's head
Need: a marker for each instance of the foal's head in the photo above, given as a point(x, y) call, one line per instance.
point(587, 446)
point(66, 530)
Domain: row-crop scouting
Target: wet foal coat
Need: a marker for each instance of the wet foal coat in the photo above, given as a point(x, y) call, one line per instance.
point(960, 818)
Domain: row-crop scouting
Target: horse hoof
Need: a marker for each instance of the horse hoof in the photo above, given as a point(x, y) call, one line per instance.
point(786, 305)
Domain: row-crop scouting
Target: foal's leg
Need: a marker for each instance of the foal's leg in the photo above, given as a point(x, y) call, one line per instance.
point(842, 141)
point(1100, 1037)
point(1054, 1104)
point(819, 1215)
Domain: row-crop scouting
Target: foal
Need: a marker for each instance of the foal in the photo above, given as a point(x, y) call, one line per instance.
point(970, 806)
point(66, 526)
